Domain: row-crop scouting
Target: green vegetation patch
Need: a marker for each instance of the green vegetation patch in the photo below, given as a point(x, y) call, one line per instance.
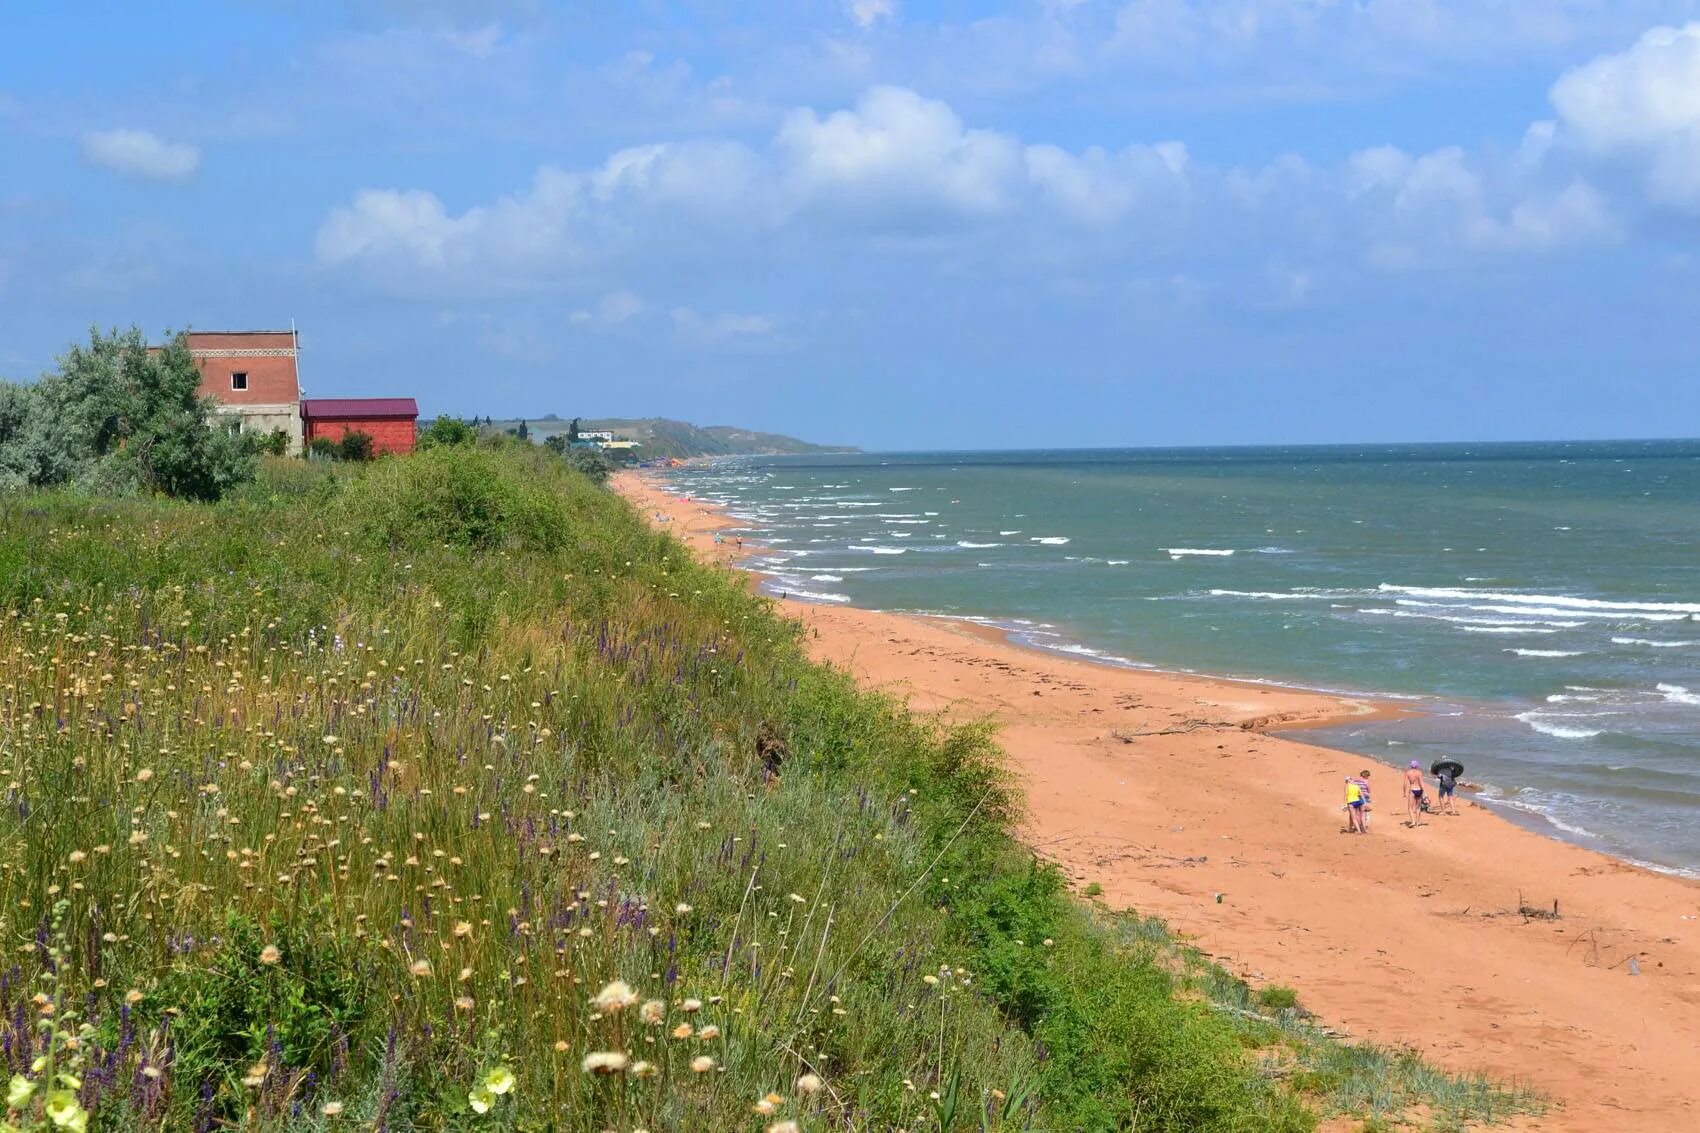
point(440, 793)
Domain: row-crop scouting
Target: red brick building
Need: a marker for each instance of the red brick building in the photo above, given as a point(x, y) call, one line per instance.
point(253, 376)
point(391, 422)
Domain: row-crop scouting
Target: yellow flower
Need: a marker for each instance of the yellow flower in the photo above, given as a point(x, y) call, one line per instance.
point(19, 1092)
point(499, 1081)
point(270, 954)
point(463, 928)
point(480, 1099)
point(682, 1031)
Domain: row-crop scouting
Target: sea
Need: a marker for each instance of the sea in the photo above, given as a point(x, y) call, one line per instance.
point(1536, 605)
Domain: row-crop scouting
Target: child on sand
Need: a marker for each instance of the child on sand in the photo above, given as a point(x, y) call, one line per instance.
point(1414, 793)
point(1355, 806)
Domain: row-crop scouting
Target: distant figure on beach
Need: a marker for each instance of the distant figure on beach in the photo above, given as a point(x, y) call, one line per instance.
point(1369, 803)
point(1446, 773)
point(1414, 793)
point(718, 539)
point(1355, 806)
point(740, 542)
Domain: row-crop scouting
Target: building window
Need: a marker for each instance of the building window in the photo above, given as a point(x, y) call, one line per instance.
point(239, 380)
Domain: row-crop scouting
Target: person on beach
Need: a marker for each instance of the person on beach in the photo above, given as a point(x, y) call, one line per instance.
point(1355, 806)
point(1414, 793)
point(1448, 781)
point(1363, 786)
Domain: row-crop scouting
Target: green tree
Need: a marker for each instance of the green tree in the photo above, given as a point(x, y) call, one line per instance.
point(556, 443)
point(572, 431)
point(447, 432)
point(593, 462)
point(120, 418)
point(524, 430)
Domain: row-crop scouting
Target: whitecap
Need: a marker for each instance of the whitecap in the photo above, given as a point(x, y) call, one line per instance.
point(880, 550)
point(1017, 532)
point(1652, 644)
point(1545, 652)
point(1557, 731)
point(1677, 694)
point(1506, 629)
point(826, 578)
point(1048, 540)
point(1468, 594)
point(966, 543)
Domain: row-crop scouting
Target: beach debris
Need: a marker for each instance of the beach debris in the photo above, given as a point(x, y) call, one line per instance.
point(1634, 966)
point(1531, 913)
point(771, 750)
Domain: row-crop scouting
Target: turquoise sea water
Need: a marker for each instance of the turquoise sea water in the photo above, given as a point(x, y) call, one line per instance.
point(1539, 603)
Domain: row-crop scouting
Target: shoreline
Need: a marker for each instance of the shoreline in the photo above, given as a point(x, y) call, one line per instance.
point(1164, 789)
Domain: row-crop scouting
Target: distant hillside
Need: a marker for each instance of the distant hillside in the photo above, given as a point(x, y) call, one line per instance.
point(661, 437)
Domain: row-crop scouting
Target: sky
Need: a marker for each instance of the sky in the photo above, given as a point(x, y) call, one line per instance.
point(888, 223)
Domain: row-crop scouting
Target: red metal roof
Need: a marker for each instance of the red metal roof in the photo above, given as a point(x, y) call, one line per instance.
point(334, 407)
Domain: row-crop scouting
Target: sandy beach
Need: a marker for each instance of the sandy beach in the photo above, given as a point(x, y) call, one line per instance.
point(1167, 790)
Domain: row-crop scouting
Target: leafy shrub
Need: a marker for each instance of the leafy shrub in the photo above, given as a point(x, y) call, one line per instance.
point(447, 432)
point(356, 446)
point(461, 497)
point(118, 418)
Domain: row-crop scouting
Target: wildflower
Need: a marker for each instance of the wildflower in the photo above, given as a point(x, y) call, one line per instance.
point(682, 1031)
point(809, 1084)
point(562, 1046)
point(702, 1064)
point(256, 1074)
point(420, 968)
point(765, 1107)
point(133, 996)
point(653, 1012)
point(480, 1099)
point(799, 899)
point(691, 1006)
point(709, 1032)
point(615, 996)
point(783, 1127)
point(682, 909)
point(499, 1081)
point(463, 928)
point(331, 1109)
point(19, 1092)
point(464, 1003)
point(76, 856)
point(930, 980)
point(144, 775)
point(604, 1062)
point(62, 1109)
point(643, 1070)
point(270, 954)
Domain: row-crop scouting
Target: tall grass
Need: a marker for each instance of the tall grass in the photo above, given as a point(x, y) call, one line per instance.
point(447, 795)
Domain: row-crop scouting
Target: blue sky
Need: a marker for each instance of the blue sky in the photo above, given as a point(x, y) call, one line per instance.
point(886, 222)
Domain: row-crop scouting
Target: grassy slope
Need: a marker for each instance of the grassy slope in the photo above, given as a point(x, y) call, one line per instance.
point(461, 741)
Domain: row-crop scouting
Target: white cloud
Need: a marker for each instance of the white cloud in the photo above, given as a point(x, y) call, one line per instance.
point(721, 328)
point(897, 158)
point(1644, 103)
point(141, 153)
point(1099, 187)
point(612, 309)
point(867, 13)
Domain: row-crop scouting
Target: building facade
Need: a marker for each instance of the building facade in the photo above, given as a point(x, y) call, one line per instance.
point(391, 422)
point(253, 376)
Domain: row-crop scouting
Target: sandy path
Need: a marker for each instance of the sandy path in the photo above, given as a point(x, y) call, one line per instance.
point(1407, 936)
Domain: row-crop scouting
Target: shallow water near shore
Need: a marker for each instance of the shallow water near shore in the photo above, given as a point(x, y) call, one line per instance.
point(1538, 604)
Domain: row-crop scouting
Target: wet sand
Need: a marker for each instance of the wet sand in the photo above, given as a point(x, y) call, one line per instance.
point(1167, 790)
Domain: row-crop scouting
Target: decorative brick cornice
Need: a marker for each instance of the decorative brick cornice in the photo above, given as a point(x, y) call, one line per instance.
point(245, 352)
